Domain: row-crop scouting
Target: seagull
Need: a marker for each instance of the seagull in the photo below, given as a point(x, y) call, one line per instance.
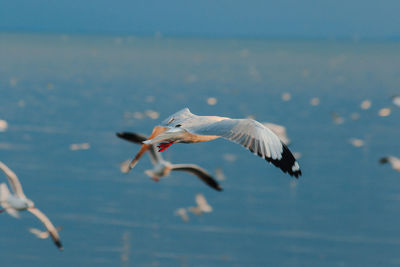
point(185, 127)
point(202, 206)
point(163, 168)
point(13, 203)
point(219, 174)
point(356, 142)
point(337, 119)
point(396, 100)
point(182, 212)
point(395, 162)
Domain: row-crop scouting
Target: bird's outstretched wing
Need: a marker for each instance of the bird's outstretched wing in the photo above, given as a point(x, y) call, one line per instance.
point(138, 139)
point(13, 180)
point(254, 136)
point(49, 226)
point(199, 172)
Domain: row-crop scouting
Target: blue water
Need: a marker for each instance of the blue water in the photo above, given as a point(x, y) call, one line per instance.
point(57, 90)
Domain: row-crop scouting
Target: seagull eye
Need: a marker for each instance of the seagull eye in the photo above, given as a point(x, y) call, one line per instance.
point(178, 125)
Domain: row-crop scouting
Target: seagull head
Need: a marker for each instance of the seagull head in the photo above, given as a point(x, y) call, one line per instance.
point(177, 118)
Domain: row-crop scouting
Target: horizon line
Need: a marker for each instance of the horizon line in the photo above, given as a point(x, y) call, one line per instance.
point(194, 36)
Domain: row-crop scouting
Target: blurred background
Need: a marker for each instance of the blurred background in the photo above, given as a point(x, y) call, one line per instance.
point(72, 74)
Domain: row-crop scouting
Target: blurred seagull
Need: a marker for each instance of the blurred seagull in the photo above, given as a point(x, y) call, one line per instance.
point(219, 174)
point(384, 112)
point(162, 167)
point(185, 127)
point(356, 142)
point(395, 162)
point(13, 203)
point(396, 100)
point(337, 119)
point(202, 205)
point(181, 212)
point(366, 104)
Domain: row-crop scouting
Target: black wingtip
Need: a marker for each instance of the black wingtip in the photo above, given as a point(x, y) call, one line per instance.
point(215, 185)
point(120, 135)
point(59, 245)
point(297, 174)
point(286, 163)
point(132, 137)
point(383, 160)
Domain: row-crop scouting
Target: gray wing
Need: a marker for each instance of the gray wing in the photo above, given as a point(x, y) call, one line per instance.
point(199, 172)
point(155, 156)
point(49, 226)
point(13, 180)
point(279, 130)
point(254, 136)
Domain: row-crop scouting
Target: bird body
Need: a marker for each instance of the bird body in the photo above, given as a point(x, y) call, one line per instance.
point(12, 201)
point(161, 168)
point(19, 203)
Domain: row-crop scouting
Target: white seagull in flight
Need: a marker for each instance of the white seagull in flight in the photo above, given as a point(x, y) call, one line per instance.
point(13, 203)
point(185, 127)
point(202, 205)
point(163, 168)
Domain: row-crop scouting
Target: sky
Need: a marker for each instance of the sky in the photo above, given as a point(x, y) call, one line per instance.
point(206, 18)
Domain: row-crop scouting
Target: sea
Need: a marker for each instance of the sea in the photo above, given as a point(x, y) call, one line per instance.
point(64, 97)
